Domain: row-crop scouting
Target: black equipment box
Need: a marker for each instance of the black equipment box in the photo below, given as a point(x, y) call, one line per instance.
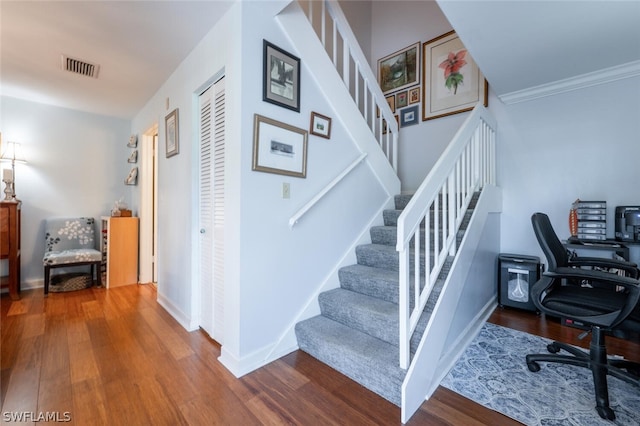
point(516, 275)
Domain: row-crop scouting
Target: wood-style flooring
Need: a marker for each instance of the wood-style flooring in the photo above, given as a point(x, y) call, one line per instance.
point(98, 357)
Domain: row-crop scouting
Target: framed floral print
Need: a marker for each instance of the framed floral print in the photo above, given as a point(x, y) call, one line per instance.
point(452, 82)
point(400, 69)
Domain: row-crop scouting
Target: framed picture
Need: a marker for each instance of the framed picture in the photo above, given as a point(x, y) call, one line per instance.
point(385, 129)
point(400, 69)
point(133, 158)
point(414, 95)
point(132, 177)
point(452, 82)
point(402, 99)
point(320, 125)
point(409, 116)
point(279, 148)
point(280, 77)
point(391, 100)
point(171, 133)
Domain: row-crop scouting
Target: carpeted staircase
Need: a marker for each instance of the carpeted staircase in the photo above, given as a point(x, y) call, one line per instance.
point(357, 332)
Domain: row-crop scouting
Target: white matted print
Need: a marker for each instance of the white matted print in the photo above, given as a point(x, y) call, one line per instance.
point(452, 81)
point(279, 147)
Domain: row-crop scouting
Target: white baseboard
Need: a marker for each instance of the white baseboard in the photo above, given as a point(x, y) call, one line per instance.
point(176, 313)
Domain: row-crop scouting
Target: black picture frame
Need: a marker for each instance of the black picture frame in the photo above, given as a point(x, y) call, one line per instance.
point(280, 77)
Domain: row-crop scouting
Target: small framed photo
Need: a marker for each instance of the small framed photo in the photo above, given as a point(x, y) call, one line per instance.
point(171, 133)
point(414, 95)
point(400, 69)
point(280, 77)
point(402, 99)
point(320, 125)
point(279, 148)
point(409, 116)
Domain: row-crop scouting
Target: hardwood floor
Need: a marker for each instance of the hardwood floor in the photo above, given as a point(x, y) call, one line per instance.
point(116, 357)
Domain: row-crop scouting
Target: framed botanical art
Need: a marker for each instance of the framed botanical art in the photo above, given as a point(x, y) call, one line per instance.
point(400, 69)
point(452, 82)
point(320, 125)
point(279, 148)
point(171, 133)
point(280, 77)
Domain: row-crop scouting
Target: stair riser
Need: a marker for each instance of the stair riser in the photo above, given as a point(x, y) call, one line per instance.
point(369, 256)
point(387, 235)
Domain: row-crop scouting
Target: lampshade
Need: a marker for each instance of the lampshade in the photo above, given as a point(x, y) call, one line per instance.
point(13, 152)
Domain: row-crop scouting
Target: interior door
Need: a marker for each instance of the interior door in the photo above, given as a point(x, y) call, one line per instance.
point(212, 194)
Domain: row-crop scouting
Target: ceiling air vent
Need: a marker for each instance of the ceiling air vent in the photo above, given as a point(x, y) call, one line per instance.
point(80, 67)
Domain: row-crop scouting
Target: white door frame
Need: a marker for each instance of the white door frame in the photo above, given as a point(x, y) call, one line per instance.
point(148, 204)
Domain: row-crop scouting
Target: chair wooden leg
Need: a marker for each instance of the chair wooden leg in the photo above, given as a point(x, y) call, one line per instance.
point(47, 273)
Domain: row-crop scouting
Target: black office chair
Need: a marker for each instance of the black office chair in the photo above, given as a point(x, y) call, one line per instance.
point(606, 302)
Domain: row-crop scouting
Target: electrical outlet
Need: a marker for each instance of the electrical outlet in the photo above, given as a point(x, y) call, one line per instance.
point(286, 190)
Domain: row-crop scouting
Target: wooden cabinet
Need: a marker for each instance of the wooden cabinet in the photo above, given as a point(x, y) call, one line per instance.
point(119, 245)
point(10, 246)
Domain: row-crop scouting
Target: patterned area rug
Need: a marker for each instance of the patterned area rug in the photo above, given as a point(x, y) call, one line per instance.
point(493, 372)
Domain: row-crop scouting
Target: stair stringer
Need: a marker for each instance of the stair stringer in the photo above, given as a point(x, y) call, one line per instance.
point(299, 31)
point(288, 342)
point(434, 358)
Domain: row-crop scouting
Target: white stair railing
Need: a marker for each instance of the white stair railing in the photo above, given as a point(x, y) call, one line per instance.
point(440, 203)
point(331, 26)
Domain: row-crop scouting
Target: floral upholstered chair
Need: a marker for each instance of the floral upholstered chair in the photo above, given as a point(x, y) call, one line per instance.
point(70, 242)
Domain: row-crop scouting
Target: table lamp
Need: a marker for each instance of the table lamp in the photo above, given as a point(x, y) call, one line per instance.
point(12, 152)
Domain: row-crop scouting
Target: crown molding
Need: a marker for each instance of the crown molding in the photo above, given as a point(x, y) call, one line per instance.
point(607, 75)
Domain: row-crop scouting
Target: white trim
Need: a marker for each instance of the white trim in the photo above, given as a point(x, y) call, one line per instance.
point(607, 75)
point(176, 313)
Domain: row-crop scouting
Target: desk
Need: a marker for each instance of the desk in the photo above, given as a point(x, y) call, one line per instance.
point(10, 245)
point(605, 248)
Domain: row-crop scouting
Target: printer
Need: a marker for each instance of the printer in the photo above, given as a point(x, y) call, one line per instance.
point(628, 223)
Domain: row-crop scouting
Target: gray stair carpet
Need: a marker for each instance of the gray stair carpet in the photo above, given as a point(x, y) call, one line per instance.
point(357, 332)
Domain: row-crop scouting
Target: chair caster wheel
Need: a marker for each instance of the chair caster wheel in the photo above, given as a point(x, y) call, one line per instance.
point(606, 413)
point(534, 367)
point(553, 348)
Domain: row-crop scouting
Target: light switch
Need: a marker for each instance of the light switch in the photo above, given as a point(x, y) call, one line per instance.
point(286, 190)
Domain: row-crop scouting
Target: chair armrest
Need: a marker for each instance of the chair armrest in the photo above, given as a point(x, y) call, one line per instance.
point(631, 285)
point(594, 275)
point(630, 267)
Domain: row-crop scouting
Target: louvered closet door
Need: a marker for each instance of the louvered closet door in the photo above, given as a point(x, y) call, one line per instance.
point(212, 156)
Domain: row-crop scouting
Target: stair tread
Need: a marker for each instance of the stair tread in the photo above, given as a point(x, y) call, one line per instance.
point(354, 354)
point(368, 314)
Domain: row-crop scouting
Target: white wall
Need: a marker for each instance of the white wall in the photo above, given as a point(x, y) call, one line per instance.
point(271, 271)
point(396, 25)
point(551, 151)
point(582, 144)
point(178, 175)
point(76, 166)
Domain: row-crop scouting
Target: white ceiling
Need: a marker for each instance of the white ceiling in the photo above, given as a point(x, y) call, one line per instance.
point(520, 44)
point(137, 44)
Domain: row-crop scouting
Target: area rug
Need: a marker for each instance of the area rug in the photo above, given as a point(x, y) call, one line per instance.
point(492, 371)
